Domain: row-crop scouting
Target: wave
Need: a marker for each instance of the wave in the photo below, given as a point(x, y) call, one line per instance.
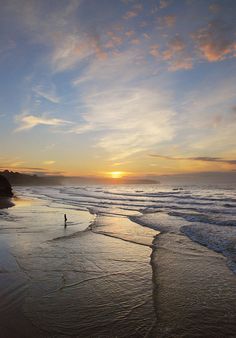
point(159, 208)
point(204, 218)
point(219, 239)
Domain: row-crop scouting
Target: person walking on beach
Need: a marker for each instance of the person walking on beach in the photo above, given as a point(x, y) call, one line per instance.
point(65, 219)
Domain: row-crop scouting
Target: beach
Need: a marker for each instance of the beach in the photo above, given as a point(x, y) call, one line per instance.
point(124, 266)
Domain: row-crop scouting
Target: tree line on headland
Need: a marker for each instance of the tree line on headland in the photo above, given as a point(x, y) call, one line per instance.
point(16, 178)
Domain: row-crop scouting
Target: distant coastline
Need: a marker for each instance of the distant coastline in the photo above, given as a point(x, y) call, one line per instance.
point(16, 179)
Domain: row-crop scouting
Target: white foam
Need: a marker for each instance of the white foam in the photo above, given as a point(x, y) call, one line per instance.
point(218, 238)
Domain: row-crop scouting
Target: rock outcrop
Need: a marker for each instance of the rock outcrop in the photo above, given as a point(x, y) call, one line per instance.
point(5, 187)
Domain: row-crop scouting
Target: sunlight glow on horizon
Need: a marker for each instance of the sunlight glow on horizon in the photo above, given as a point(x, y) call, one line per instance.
point(117, 174)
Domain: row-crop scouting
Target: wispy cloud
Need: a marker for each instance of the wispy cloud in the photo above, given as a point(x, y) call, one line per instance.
point(12, 167)
point(46, 94)
point(197, 158)
point(30, 121)
point(131, 121)
point(49, 162)
point(6, 47)
point(177, 55)
point(136, 9)
point(167, 21)
point(164, 4)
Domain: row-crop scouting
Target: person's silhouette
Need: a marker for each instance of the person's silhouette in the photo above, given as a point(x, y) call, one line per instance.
point(65, 219)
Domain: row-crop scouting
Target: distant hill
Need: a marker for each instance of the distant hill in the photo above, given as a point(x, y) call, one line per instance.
point(16, 178)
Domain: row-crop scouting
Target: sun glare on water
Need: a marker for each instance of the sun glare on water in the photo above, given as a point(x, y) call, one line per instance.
point(116, 174)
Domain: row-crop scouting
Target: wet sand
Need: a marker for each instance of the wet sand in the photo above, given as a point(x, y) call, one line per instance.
point(195, 290)
point(73, 281)
point(109, 273)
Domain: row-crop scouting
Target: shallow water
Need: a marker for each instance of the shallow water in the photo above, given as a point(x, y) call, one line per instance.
point(129, 263)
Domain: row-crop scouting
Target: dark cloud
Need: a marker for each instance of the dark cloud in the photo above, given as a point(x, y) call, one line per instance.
point(22, 168)
point(199, 158)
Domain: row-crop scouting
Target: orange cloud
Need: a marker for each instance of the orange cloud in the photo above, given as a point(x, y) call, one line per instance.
point(130, 14)
point(154, 50)
point(176, 45)
point(135, 41)
point(133, 12)
point(215, 42)
point(114, 41)
point(169, 20)
point(129, 33)
point(181, 63)
point(176, 55)
point(164, 3)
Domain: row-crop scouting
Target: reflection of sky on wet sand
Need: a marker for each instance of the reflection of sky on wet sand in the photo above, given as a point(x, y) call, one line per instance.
point(123, 228)
point(78, 281)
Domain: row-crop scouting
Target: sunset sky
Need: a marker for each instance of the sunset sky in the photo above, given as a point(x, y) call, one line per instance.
point(91, 87)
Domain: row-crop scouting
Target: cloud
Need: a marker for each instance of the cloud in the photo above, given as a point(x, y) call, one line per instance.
point(30, 121)
point(164, 4)
point(123, 118)
point(8, 166)
point(175, 46)
point(167, 21)
point(176, 55)
point(129, 33)
point(197, 158)
point(70, 50)
point(216, 41)
point(154, 50)
point(214, 8)
point(6, 47)
point(114, 72)
point(130, 120)
point(114, 40)
point(50, 162)
point(135, 41)
point(130, 14)
point(49, 147)
point(136, 9)
point(46, 94)
point(181, 63)
point(66, 40)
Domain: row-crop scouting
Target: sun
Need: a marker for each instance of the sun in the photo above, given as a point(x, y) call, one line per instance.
point(116, 174)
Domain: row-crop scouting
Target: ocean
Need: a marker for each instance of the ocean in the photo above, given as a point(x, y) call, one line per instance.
point(132, 261)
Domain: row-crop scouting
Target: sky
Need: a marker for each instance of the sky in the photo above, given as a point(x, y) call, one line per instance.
point(131, 87)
